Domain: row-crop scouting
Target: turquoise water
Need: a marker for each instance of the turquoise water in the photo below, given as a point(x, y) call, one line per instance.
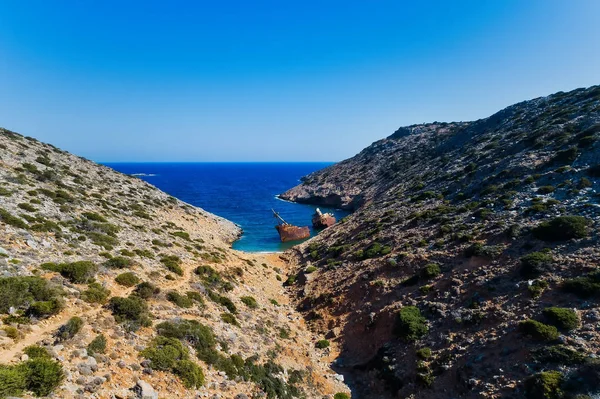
point(241, 192)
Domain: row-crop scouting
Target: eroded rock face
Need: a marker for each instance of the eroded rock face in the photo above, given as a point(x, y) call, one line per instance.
point(446, 212)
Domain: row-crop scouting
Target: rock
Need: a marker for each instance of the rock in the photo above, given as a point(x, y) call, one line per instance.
point(338, 377)
point(241, 396)
point(122, 364)
point(143, 390)
point(84, 369)
point(24, 358)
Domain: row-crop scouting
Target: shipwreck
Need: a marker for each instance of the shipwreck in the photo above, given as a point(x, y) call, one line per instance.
point(288, 232)
point(322, 220)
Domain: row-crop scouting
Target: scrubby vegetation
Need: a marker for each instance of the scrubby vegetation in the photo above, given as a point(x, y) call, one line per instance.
point(69, 329)
point(410, 324)
point(127, 279)
point(562, 318)
point(98, 345)
point(34, 296)
point(562, 228)
point(133, 311)
point(76, 272)
point(536, 263)
point(538, 331)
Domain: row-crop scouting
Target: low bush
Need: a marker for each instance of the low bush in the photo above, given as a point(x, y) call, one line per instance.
point(132, 310)
point(341, 395)
point(558, 354)
point(537, 287)
point(76, 272)
point(535, 264)
point(562, 228)
point(146, 290)
point(322, 344)
point(410, 324)
point(538, 331)
point(11, 220)
point(27, 207)
point(163, 353)
point(546, 190)
point(118, 262)
point(562, 318)
point(229, 319)
point(584, 286)
point(430, 271)
point(249, 301)
point(98, 345)
point(69, 329)
point(424, 353)
point(127, 279)
point(95, 293)
point(95, 217)
point(544, 385)
point(25, 293)
point(172, 263)
point(222, 300)
point(34, 352)
point(183, 301)
point(190, 374)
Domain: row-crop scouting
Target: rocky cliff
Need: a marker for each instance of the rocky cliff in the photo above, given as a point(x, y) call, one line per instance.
point(469, 265)
point(110, 288)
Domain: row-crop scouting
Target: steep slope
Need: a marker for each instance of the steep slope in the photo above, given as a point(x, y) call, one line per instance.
point(460, 233)
point(92, 260)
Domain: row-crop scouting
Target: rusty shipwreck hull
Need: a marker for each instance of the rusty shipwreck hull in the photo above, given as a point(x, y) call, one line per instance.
point(322, 220)
point(287, 232)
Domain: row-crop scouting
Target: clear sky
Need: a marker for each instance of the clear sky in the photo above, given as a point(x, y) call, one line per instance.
point(276, 80)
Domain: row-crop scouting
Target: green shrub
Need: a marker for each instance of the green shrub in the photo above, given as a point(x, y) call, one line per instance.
point(410, 324)
point(563, 318)
point(190, 374)
point(538, 331)
point(27, 207)
point(34, 352)
point(41, 309)
point(146, 290)
point(127, 279)
point(535, 264)
point(424, 353)
point(172, 262)
point(164, 353)
point(322, 344)
point(310, 269)
point(536, 288)
point(98, 345)
point(131, 309)
point(69, 329)
point(94, 217)
point(546, 190)
point(249, 301)
point(77, 272)
point(37, 296)
point(558, 354)
point(11, 220)
point(430, 270)
point(544, 385)
point(118, 262)
point(222, 300)
point(181, 234)
point(341, 395)
point(229, 319)
point(13, 380)
point(192, 331)
point(95, 293)
point(585, 286)
point(562, 228)
point(102, 240)
point(182, 301)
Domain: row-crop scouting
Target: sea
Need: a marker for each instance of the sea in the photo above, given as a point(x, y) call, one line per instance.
point(244, 193)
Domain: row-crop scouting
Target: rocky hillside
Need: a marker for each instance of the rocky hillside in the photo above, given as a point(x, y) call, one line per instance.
point(469, 267)
point(110, 288)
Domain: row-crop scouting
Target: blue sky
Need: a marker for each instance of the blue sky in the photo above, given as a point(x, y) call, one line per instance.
point(276, 80)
